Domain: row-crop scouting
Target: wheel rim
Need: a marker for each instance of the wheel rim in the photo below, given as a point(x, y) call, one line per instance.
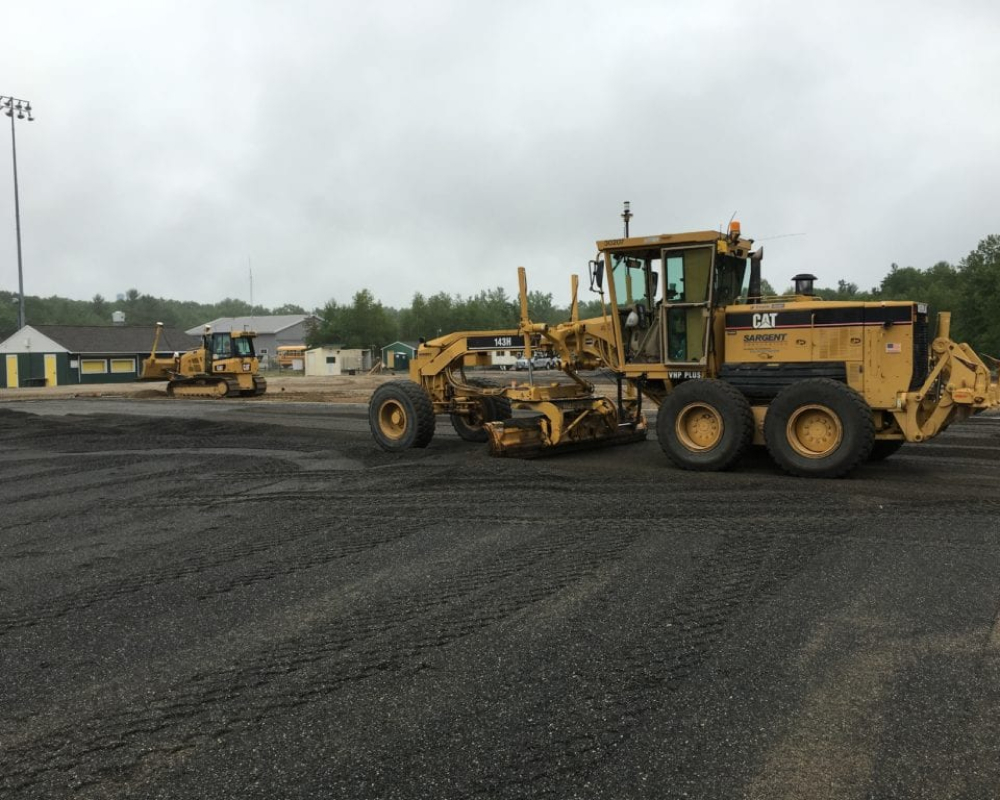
point(392, 419)
point(814, 431)
point(699, 427)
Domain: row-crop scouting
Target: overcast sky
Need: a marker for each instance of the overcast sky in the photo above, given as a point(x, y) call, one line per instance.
point(436, 146)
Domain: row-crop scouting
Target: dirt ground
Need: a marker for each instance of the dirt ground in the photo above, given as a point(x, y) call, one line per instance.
point(287, 388)
point(331, 389)
point(250, 600)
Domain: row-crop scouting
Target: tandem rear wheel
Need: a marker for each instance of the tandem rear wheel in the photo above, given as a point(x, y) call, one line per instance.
point(705, 425)
point(819, 428)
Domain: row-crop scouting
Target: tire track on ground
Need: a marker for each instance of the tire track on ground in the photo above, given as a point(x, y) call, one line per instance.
point(394, 636)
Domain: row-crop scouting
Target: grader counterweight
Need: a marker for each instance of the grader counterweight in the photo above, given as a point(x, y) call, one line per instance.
point(824, 385)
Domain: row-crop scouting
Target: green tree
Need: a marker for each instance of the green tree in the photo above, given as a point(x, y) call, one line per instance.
point(541, 308)
point(363, 324)
point(428, 317)
point(491, 309)
point(938, 286)
point(287, 308)
point(978, 320)
point(8, 314)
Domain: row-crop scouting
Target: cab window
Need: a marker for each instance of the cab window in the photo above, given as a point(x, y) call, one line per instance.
point(222, 345)
point(674, 290)
point(637, 277)
point(688, 283)
point(630, 280)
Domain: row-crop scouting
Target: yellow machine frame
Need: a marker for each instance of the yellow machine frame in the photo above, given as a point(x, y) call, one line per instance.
point(825, 385)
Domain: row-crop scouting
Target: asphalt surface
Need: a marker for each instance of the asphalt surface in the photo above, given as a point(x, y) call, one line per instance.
point(240, 600)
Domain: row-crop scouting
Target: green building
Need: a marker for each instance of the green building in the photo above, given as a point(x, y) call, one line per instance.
point(59, 355)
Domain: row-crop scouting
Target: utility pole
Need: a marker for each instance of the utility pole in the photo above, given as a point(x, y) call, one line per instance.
point(22, 107)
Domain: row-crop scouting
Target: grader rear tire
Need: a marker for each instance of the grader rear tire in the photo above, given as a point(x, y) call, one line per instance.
point(705, 425)
point(401, 416)
point(489, 409)
point(819, 428)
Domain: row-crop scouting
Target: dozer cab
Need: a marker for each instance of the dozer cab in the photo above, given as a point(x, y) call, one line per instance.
point(824, 385)
point(225, 365)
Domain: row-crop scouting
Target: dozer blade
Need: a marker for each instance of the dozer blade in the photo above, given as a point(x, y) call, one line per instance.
point(527, 438)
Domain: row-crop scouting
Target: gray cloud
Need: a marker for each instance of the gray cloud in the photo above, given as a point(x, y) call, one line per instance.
point(437, 146)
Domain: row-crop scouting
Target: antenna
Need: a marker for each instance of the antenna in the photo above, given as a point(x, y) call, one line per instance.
point(626, 215)
point(779, 236)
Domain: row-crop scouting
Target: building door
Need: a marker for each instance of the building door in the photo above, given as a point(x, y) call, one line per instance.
point(12, 379)
point(51, 376)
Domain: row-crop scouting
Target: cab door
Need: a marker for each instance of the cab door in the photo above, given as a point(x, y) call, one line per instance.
point(687, 300)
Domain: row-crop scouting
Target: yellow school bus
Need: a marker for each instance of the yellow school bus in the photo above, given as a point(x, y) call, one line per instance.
point(291, 356)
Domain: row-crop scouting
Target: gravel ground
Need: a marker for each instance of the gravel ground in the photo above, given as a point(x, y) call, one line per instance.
point(249, 600)
point(327, 389)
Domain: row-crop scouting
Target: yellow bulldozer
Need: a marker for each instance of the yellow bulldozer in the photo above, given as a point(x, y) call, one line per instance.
point(824, 385)
point(225, 365)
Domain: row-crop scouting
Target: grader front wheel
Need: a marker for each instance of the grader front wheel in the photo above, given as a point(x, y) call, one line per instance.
point(400, 415)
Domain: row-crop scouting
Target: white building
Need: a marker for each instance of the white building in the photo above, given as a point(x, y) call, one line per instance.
point(337, 361)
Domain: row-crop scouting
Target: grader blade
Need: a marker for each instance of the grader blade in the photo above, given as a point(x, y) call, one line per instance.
point(563, 428)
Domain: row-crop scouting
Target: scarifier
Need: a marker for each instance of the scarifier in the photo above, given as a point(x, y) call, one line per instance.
point(824, 385)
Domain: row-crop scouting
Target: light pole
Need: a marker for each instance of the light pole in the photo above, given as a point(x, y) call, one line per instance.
point(22, 107)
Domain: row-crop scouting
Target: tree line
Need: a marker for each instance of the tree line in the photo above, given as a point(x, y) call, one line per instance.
point(139, 309)
point(970, 289)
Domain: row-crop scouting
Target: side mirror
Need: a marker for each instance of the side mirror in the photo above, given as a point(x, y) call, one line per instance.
point(596, 274)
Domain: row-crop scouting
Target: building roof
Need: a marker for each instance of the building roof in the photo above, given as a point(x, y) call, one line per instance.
point(411, 345)
point(106, 339)
point(260, 324)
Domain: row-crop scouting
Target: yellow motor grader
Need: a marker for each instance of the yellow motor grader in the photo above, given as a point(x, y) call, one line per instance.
point(825, 385)
point(224, 365)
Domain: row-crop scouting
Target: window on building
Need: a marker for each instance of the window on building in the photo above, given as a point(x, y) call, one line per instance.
point(122, 365)
point(93, 366)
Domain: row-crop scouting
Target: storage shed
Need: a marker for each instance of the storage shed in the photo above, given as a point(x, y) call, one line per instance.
point(396, 356)
point(56, 355)
point(337, 361)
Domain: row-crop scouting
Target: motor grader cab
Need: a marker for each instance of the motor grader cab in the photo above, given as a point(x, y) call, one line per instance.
point(224, 365)
point(824, 385)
